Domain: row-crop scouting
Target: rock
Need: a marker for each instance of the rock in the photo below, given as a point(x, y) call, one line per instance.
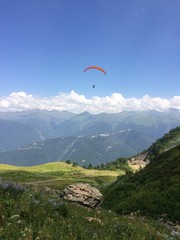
point(83, 194)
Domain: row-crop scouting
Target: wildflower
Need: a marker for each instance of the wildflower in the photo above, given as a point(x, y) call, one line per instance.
point(92, 219)
point(35, 201)
point(95, 236)
point(12, 186)
point(175, 233)
point(15, 216)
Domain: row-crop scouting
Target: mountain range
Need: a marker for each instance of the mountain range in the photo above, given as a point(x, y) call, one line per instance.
point(40, 136)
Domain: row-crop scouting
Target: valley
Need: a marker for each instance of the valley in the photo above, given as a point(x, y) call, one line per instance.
point(83, 138)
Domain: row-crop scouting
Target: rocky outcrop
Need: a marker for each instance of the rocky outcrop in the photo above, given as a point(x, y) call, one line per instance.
point(139, 162)
point(83, 194)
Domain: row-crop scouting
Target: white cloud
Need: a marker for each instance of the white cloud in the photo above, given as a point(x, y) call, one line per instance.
point(74, 102)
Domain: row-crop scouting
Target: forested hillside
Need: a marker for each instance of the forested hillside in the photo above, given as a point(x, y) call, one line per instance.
point(168, 141)
point(153, 191)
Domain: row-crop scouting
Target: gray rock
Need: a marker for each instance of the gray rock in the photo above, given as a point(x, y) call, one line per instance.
point(83, 194)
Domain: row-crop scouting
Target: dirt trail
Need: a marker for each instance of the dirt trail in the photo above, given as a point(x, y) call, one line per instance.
point(42, 181)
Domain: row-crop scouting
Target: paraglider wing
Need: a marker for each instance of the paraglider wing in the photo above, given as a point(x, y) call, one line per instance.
point(97, 68)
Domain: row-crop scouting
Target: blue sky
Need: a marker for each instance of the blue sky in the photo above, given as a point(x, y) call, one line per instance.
point(46, 44)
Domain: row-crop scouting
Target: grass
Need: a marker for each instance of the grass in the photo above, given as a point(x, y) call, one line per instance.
point(57, 175)
point(153, 191)
point(33, 215)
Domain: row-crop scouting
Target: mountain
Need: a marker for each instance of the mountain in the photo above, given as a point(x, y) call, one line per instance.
point(95, 149)
point(53, 124)
point(156, 123)
point(24, 127)
point(83, 138)
point(14, 134)
point(153, 191)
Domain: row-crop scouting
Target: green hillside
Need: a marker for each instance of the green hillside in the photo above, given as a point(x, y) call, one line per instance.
point(56, 174)
point(165, 143)
point(32, 216)
point(29, 214)
point(154, 191)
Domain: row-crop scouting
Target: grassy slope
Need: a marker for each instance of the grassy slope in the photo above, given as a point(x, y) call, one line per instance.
point(33, 215)
point(57, 174)
point(30, 216)
point(153, 191)
point(165, 143)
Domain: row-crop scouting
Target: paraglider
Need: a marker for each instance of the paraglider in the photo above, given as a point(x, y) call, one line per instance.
point(96, 68)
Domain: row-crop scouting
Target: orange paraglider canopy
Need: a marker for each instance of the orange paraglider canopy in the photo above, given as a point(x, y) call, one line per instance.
point(95, 67)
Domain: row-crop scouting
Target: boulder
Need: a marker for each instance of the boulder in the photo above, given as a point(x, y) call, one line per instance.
point(83, 194)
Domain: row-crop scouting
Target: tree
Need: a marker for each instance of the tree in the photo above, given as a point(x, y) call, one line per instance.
point(75, 164)
point(90, 166)
point(68, 161)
